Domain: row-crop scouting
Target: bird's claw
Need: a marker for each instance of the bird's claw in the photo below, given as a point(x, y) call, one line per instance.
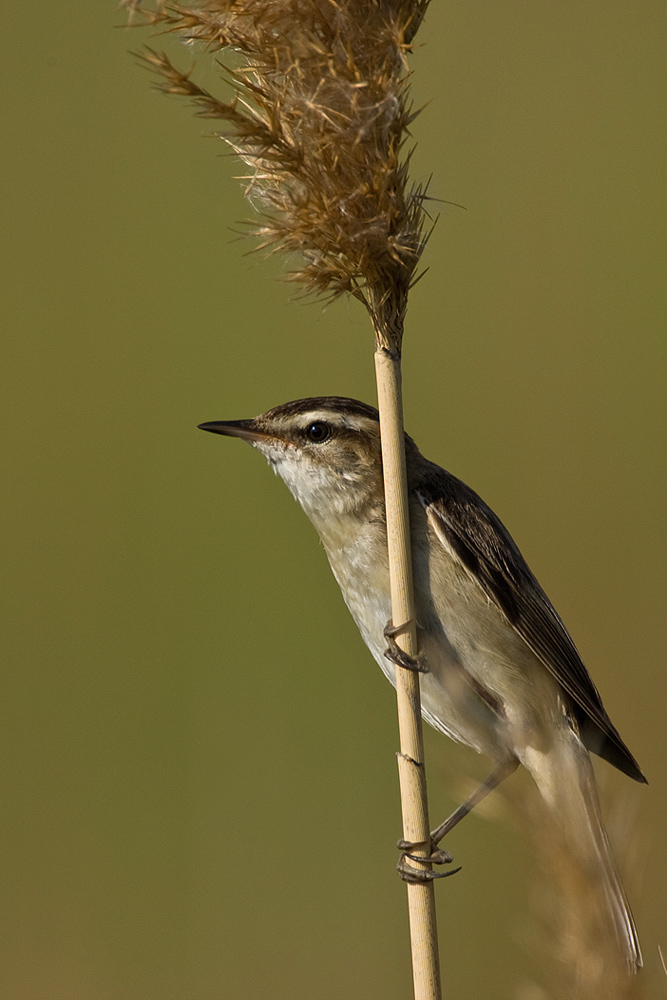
point(418, 876)
point(397, 655)
point(436, 857)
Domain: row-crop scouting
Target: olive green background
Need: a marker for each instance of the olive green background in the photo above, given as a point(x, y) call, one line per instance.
point(198, 781)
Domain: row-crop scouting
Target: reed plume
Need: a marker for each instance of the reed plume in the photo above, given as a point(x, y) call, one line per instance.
point(319, 113)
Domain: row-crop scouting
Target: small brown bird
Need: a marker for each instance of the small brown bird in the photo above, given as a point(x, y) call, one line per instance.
point(500, 671)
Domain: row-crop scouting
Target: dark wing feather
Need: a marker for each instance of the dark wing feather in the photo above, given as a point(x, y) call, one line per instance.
point(487, 550)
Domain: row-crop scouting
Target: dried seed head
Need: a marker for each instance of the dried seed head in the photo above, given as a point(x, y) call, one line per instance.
point(320, 114)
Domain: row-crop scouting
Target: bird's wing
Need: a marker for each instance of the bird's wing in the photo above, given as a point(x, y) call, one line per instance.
point(469, 528)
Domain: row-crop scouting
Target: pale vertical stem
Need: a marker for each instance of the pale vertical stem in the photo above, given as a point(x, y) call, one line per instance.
point(411, 769)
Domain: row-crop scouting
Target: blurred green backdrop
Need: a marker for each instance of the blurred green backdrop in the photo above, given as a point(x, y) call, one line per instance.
point(199, 789)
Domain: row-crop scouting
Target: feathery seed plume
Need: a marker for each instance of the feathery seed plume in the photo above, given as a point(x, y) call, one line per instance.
point(319, 114)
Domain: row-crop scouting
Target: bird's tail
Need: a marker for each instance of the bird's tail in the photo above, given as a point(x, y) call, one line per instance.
point(599, 928)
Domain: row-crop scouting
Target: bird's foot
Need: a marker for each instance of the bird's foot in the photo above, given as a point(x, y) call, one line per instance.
point(397, 655)
point(418, 876)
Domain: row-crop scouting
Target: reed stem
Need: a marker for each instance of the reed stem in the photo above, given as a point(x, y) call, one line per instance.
point(320, 114)
point(411, 767)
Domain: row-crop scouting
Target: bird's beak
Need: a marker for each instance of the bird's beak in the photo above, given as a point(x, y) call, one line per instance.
point(235, 428)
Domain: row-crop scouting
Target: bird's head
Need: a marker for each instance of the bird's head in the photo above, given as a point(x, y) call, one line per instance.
point(327, 450)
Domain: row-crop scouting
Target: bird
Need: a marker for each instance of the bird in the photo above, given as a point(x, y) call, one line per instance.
point(499, 672)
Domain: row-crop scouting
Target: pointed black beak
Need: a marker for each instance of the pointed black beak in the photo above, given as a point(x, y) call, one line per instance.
point(235, 428)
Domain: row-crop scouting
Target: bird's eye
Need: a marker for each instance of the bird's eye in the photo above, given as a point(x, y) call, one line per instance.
point(318, 431)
